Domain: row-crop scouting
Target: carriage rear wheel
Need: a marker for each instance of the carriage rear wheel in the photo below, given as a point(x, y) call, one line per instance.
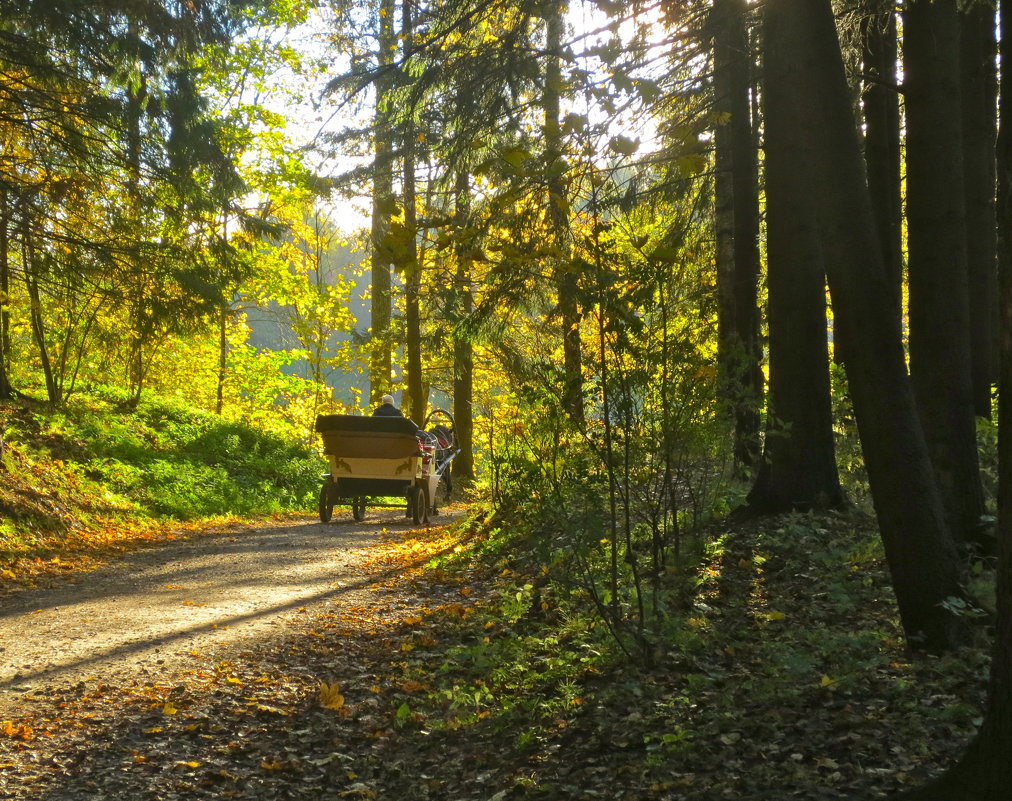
point(326, 503)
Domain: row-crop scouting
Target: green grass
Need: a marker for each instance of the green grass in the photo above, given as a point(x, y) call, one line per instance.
point(164, 460)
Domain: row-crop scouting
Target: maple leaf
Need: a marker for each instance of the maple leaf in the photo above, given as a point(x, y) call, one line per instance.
point(330, 696)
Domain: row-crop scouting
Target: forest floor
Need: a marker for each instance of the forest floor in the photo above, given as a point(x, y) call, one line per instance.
point(294, 660)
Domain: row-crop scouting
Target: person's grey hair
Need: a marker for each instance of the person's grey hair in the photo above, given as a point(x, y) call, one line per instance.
point(388, 399)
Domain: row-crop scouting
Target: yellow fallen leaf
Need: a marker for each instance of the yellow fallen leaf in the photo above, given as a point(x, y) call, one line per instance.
point(190, 765)
point(330, 696)
point(169, 709)
point(826, 681)
point(776, 616)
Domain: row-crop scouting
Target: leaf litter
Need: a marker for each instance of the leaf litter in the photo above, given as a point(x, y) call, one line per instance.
point(785, 679)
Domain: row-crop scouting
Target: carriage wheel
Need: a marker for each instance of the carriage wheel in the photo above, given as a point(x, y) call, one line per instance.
point(326, 504)
point(358, 508)
point(419, 500)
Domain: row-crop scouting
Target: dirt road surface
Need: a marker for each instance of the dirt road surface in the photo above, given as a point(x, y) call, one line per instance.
point(140, 617)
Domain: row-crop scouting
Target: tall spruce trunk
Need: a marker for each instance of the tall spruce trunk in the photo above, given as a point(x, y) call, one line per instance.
point(463, 355)
point(6, 391)
point(383, 206)
point(807, 89)
point(978, 91)
point(737, 227)
point(938, 290)
point(416, 405)
point(984, 772)
point(881, 106)
point(798, 469)
point(567, 287)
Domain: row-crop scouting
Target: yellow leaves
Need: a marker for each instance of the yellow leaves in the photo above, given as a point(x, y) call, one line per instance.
point(17, 731)
point(775, 615)
point(190, 765)
point(169, 709)
point(8, 574)
point(413, 620)
point(826, 681)
point(330, 697)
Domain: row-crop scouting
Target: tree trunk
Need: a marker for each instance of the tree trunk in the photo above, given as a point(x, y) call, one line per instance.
point(463, 357)
point(412, 267)
point(807, 89)
point(798, 469)
point(938, 291)
point(36, 317)
point(5, 298)
point(383, 205)
point(737, 227)
point(978, 90)
point(219, 400)
point(880, 101)
point(984, 772)
point(558, 217)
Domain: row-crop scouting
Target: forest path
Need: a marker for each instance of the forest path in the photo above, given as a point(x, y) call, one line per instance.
point(142, 617)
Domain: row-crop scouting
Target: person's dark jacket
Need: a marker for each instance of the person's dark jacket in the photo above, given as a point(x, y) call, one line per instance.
point(387, 410)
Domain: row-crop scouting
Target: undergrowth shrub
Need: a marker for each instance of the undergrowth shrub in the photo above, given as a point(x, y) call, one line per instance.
point(609, 517)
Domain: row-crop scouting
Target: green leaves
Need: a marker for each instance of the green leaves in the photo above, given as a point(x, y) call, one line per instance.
point(623, 145)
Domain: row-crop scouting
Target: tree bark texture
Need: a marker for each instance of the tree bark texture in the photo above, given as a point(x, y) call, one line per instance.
point(737, 226)
point(938, 290)
point(880, 102)
point(978, 91)
point(807, 89)
point(798, 469)
point(383, 206)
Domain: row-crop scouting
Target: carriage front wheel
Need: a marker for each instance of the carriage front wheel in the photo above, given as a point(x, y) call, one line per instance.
point(418, 499)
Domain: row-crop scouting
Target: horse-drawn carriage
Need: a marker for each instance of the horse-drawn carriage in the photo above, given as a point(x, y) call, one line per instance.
point(372, 458)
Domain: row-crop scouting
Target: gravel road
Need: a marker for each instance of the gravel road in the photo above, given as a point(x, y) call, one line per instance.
point(141, 616)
